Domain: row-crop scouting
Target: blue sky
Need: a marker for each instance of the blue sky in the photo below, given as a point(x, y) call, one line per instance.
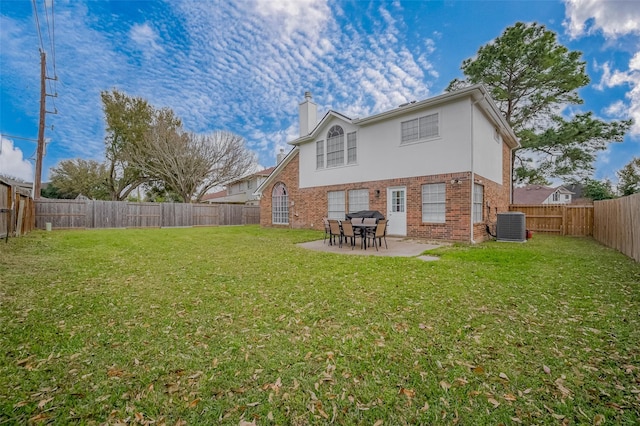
point(244, 66)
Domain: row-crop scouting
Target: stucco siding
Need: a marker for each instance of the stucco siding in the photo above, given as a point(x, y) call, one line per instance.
point(381, 156)
point(487, 151)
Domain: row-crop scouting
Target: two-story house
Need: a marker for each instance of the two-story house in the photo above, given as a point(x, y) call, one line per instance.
point(438, 168)
point(240, 191)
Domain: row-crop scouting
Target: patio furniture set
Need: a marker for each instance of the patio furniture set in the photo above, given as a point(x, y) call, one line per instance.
point(370, 230)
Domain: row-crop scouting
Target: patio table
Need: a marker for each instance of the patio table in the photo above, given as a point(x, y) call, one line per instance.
point(362, 228)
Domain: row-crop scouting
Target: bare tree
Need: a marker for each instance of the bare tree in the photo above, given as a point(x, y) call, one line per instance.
point(227, 156)
point(186, 163)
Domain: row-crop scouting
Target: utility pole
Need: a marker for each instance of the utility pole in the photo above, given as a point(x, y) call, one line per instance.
point(37, 182)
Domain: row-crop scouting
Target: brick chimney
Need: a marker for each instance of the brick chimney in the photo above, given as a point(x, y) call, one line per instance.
point(308, 115)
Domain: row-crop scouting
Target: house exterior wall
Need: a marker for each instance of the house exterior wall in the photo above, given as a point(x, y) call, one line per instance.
point(468, 150)
point(307, 206)
point(382, 157)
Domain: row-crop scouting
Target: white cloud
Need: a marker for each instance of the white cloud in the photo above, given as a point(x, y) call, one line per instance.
point(614, 18)
point(239, 66)
point(13, 163)
point(631, 78)
point(145, 38)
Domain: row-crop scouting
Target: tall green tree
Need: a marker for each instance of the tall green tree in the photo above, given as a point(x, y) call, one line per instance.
point(629, 178)
point(127, 120)
point(533, 79)
point(71, 178)
point(598, 189)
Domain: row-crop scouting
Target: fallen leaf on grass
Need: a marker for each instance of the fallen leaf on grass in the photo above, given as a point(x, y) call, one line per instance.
point(598, 420)
point(193, 403)
point(378, 423)
point(478, 371)
point(562, 388)
point(546, 369)
point(503, 376)
point(246, 423)
point(20, 404)
point(44, 402)
point(113, 371)
point(23, 362)
point(39, 418)
point(409, 393)
point(444, 385)
point(493, 402)
point(510, 397)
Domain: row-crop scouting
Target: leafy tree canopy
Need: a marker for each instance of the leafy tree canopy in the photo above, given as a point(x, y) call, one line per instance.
point(533, 79)
point(127, 120)
point(71, 178)
point(629, 178)
point(598, 190)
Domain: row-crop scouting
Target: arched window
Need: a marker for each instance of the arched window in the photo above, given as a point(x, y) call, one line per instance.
point(335, 146)
point(280, 204)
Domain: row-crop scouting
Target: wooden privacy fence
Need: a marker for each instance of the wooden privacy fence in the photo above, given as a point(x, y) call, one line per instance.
point(560, 219)
point(617, 224)
point(72, 214)
point(16, 210)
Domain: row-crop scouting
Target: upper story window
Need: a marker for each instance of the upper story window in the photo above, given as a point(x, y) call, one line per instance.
point(335, 147)
point(320, 155)
point(352, 148)
point(420, 128)
point(335, 152)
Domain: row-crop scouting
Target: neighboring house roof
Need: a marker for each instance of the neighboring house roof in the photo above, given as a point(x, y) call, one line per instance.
point(535, 194)
point(276, 170)
point(224, 196)
point(265, 172)
point(576, 188)
point(213, 195)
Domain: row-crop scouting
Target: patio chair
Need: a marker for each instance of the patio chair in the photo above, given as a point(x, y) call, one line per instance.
point(349, 234)
point(335, 231)
point(369, 221)
point(379, 233)
point(327, 229)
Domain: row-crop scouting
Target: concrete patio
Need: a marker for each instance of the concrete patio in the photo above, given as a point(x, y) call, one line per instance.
point(398, 247)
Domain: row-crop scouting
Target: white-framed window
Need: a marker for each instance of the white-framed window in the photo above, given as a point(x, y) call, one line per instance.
point(280, 204)
point(434, 203)
point(358, 200)
point(478, 202)
point(336, 205)
point(335, 147)
point(320, 155)
point(352, 148)
point(251, 184)
point(420, 128)
point(556, 196)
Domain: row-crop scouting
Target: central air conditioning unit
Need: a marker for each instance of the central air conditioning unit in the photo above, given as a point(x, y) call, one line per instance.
point(511, 227)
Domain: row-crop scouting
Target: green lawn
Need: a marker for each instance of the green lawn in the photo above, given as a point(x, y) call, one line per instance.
point(237, 324)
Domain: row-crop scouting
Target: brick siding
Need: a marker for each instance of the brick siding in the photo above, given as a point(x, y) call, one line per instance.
point(307, 206)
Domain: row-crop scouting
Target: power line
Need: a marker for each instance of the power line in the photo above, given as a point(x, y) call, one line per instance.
point(18, 137)
point(35, 14)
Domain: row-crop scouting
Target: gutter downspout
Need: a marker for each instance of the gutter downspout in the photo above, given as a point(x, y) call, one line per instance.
point(472, 184)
